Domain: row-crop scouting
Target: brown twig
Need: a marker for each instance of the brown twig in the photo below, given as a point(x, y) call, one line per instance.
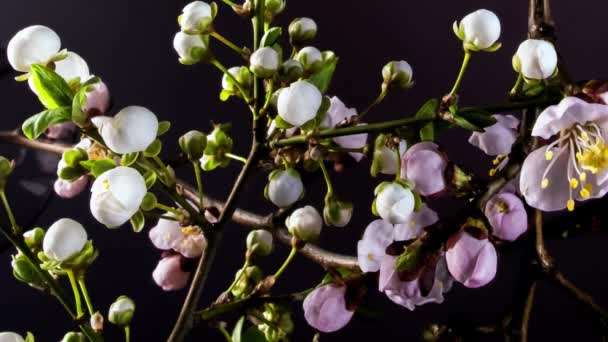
point(527, 312)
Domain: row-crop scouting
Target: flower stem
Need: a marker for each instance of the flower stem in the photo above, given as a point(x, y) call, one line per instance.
point(515, 88)
point(229, 44)
point(236, 157)
point(230, 3)
point(346, 149)
point(199, 184)
point(72, 278)
point(463, 69)
point(378, 99)
point(237, 279)
point(167, 209)
point(330, 188)
point(9, 212)
point(160, 163)
point(225, 333)
point(128, 333)
point(85, 294)
point(238, 85)
point(286, 263)
point(398, 172)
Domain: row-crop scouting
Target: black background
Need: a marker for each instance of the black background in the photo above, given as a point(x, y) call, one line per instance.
point(129, 44)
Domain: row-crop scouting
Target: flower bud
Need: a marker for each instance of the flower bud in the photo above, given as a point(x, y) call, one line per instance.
point(284, 187)
point(191, 48)
point(64, 130)
point(197, 17)
point(535, 59)
point(337, 213)
point(507, 216)
point(280, 321)
point(169, 274)
point(397, 75)
point(72, 67)
point(311, 59)
point(193, 144)
point(471, 261)
point(242, 75)
point(64, 239)
point(6, 168)
point(96, 322)
point(302, 31)
point(305, 224)
point(424, 166)
point(385, 158)
point(247, 281)
point(273, 8)
point(479, 30)
point(218, 144)
point(66, 189)
point(290, 71)
point(33, 45)
point(325, 308)
point(97, 99)
point(394, 202)
point(117, 195)
point(259, 242)
point(33, 238)
point(264, 62)
point(299, 103)
point(8, 336)
point(121, 311)
point(74, 337)
point(133, 129)
point(25, 271)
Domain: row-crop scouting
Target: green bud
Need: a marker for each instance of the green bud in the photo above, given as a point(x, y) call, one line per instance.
point(247, 282)
point(281, 326)
point(302, 31)
point(259, 242)
point(218, 144)
point(397, 75)
point(336, 212)
point(244, 78)
point(290, 71)
point(193, 144)
point(6, 168)
point(311, 59)
point(274, 7)
point(74, 337)
point(33, 238)
point(121, 311)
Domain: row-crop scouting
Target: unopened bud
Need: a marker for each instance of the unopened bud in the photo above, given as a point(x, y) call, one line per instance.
point(193, 144)
point(397, 75)
point(305, 224)
point(259, 242)
point(97, 322)
point(264, 62)
point(121, 311)
point(290, 71)
point(74, 337)
point(33, 238)
point(302, 31)
point(311, 59)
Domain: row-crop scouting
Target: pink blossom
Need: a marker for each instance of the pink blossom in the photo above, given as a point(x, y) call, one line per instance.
point(337, 113)
point(188, 241)
point(472, 261)
point(67, 189)
point(97, 99)
point(415, 224)
point(499, 138)
point(371, 248)
point(325, 308)
point(429, 287)
point(424, 166)
point(169, 275)
point(507, 216)
point(575, 165)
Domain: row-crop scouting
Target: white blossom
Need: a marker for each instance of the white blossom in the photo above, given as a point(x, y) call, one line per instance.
point(535, 59)
point(64, 238)
point(33, 45)
point(305, 224)
point(133, 129)
point(394, 202)
point(299, 103)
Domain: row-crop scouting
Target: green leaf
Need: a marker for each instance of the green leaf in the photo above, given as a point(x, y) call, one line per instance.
point(87, 164)
point(53, 91)
point(253, 335)
point(322, 78)
point(427, 132)
point(237, 332)
point(154, 149)
point(129, 158)
point(37, 124)
point(138, 221)
point(271, 36)
point(225, 95)
point(102, 165)
point(428, 109)
point(464, 123)
point(163, 127)
point(150, 178)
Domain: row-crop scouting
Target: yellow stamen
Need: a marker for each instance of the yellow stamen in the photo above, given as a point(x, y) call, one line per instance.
point(412, 224)
point(582, 176)
point(544, 184)
point(492, 172)
point(573, 183)
point(370, 256)
point(594, 158)
point(584, 136)
point(106, 184)
point(549, 155)
point(584, 193)
point(570, 205)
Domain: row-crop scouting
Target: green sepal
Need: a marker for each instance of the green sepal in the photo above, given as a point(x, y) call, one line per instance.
point(150, 179)
point(417, 201)
point(129, 158)
point(149, 202)
point(477, 116)
point(74, 156)
point(29, 337)
point(464, 123)
point(458, 30)
point(163, 127)
point(78, 261)
point(37, 124)
point(23, 77)
point(282, 124)
point(374, 211)
point(271, 37)
point(138, 221)
point(225, 95)
point(53, 91)
point(408, 260)
point(102, 165)
point(494, 47)
point(237, 331)
point(154, 149)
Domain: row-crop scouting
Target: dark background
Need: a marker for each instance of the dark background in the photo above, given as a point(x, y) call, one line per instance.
point(129, 44)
